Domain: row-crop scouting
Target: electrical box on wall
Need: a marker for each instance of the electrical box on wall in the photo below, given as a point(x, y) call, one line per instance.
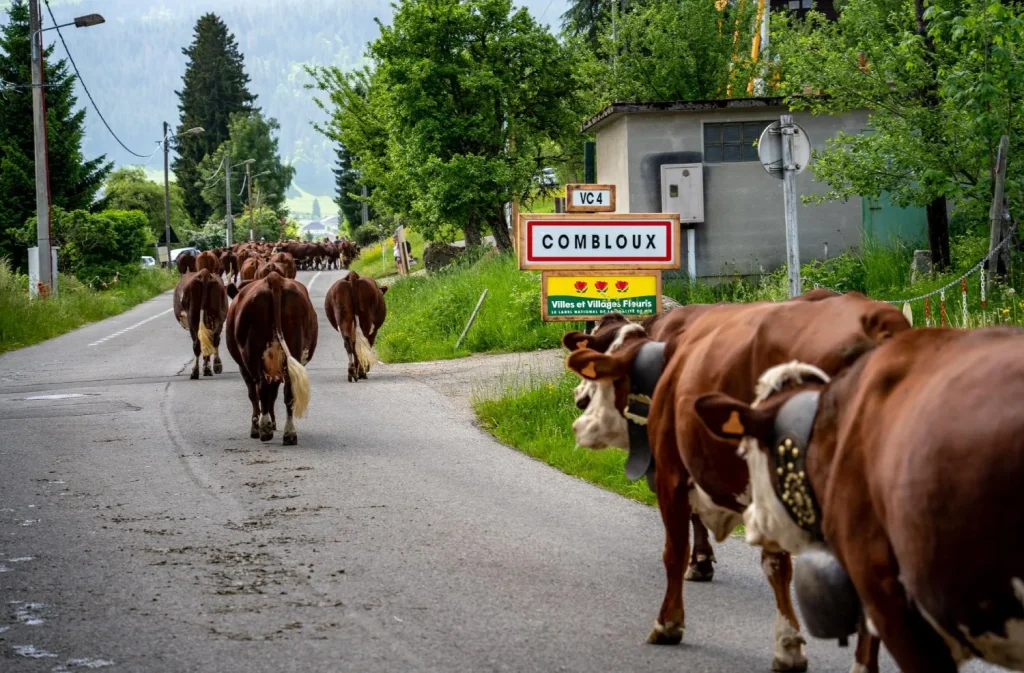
point(682, 191)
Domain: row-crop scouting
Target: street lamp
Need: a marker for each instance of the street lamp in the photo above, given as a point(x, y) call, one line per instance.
point(46, 275)
point(194, 131)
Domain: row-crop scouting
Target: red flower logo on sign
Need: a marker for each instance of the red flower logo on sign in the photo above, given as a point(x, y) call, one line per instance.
point(580, 286)
point(621, 285)
point(601, 286)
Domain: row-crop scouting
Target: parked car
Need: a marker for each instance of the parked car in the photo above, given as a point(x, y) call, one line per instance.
point(148, 261)
point(178, 251)
point(547, 177)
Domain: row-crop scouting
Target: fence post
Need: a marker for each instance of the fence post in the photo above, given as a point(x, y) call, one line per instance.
point(995, 213)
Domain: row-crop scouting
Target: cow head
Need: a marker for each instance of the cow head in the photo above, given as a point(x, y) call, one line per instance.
point(774, 437)
point(605, 386)
point(600, 339)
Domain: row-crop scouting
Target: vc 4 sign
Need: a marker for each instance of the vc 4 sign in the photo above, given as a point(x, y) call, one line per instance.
point(590, 198)
point(599, 241)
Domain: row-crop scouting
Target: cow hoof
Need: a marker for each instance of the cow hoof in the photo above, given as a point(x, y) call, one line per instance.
point(254, 432)
point(789, 655)
point(207, 371)
point(291, 440)
point(266, 436)
point(218, 368)
point(789, 666)
point(701, 571)
point(194, 375)
point(666, 634)
point(362, 375)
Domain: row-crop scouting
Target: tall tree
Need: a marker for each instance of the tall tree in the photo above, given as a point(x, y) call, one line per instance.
point(346, 184)
point(251, 136)
point(942, 82)
point(74, 181)
point(214, 88)
point(316, 209)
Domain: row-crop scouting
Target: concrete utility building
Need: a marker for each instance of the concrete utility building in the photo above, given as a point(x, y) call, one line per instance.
point(699, 158)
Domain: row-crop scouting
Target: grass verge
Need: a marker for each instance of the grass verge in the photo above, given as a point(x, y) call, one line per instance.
point(426, 314)
point(536, 417)
point(25, 321)
point(370, 265)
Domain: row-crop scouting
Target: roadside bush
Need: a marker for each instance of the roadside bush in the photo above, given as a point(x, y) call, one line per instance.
point(96, 247)
point(367, 234)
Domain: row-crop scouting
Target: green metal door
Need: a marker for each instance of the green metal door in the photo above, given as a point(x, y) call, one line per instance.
point(885, 222)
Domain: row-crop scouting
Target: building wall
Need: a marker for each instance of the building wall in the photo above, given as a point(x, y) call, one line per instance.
point(612, 151)
point(744, 231)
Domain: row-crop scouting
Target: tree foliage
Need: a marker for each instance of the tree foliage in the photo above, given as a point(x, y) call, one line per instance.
point(250, 136)
point(74, 180)
point(940, 94)
point(128, 188)
point(455, 117)
point(214, 89)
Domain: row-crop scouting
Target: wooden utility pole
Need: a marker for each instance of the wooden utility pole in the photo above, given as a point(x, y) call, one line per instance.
point(227, 193)
point(167, 199)
point(44, 267)
point(995, 213)
point(248, 185)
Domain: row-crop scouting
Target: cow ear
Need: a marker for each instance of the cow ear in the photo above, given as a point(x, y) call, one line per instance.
point(575, 340)
point(728, 418)
point(593, 365)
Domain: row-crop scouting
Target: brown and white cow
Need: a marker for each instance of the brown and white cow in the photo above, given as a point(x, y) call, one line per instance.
point(200, 305)
point(724, 349)
point(272, 334)
point(208, 260)
point(186, 263)
point(907, 467)
point(355, 307)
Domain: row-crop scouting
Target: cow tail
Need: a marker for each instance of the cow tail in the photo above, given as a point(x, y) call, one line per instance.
point(205, 335)
point(298, 378)
point(365, 355)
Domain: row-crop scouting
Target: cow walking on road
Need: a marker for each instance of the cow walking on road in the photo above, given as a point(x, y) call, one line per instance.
point(355, 307)
point(272, 334)
point(200, 305)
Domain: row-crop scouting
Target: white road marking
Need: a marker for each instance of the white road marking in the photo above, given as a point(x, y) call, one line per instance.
point(313, 280)
point(59, 396)
point(130, 327)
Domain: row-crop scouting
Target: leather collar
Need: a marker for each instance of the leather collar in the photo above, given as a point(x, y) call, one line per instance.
point(793, 427)
point(647, 368)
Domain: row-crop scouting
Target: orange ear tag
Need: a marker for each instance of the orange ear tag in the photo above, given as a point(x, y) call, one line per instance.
point(733, 426)
point(589, 371)
point(583, 344)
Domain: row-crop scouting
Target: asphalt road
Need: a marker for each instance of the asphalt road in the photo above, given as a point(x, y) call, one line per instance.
point(141, 529)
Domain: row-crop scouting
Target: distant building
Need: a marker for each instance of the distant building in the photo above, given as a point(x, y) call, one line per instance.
point(698, 158)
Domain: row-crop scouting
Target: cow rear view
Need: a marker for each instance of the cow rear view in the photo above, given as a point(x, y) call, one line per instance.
point(272, 334)
point(200, 304)
point(355, 307)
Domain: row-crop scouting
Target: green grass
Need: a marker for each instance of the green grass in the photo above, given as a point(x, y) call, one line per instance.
point(369, 263)
point(537, 418)
point(302, 205)
point(426, 314)
point(25, 321)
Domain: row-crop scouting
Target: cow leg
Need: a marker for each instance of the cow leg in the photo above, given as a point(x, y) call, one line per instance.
point(703, 556)
point(207, 370)
point(350, 349)
point(197, 349)
point(268, 393)
point(675, 514)
point(866, 656)
point(291, 437)
point(254, 397)
point(273, 404)
point(789, 643)
point(218, 367)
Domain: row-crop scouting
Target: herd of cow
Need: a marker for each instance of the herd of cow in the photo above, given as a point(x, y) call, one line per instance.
point(890, 460)
point(248, 293)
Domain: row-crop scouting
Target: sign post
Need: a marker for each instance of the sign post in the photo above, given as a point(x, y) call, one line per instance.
point(785, 150)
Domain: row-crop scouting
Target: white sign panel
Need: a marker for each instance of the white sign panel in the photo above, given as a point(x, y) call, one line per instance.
point(575, 241)
point(584, 198)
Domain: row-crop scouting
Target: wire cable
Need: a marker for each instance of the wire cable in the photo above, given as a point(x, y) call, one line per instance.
point(86, 89)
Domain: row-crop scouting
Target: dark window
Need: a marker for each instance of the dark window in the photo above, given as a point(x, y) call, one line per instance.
point(732, 142)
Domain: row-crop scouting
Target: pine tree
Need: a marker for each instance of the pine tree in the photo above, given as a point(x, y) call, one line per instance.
point(215, 86)
point(316, 209)
point(74, 181)
point(345, 184)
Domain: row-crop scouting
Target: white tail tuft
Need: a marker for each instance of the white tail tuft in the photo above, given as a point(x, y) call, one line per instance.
point(299, 380)
point(775, 379)
point(364, 351)
point(205, 337)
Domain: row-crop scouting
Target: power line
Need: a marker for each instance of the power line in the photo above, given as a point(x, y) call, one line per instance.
point(86, 89)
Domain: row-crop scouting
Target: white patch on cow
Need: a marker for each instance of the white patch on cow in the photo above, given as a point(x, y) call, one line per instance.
point(788, 654)
point(305, 357)
point(720, 521)
point(183, 319)
point(265, 423)
point(859, 668)
point(602, 425)
point(1005, 651)
point(766, 519)
point(775, 379)
point(585, 388)
point(289, 426)
point(872, 629)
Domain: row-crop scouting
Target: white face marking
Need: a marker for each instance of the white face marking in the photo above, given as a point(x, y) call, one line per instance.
point(602, 425)
point(719, 520)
